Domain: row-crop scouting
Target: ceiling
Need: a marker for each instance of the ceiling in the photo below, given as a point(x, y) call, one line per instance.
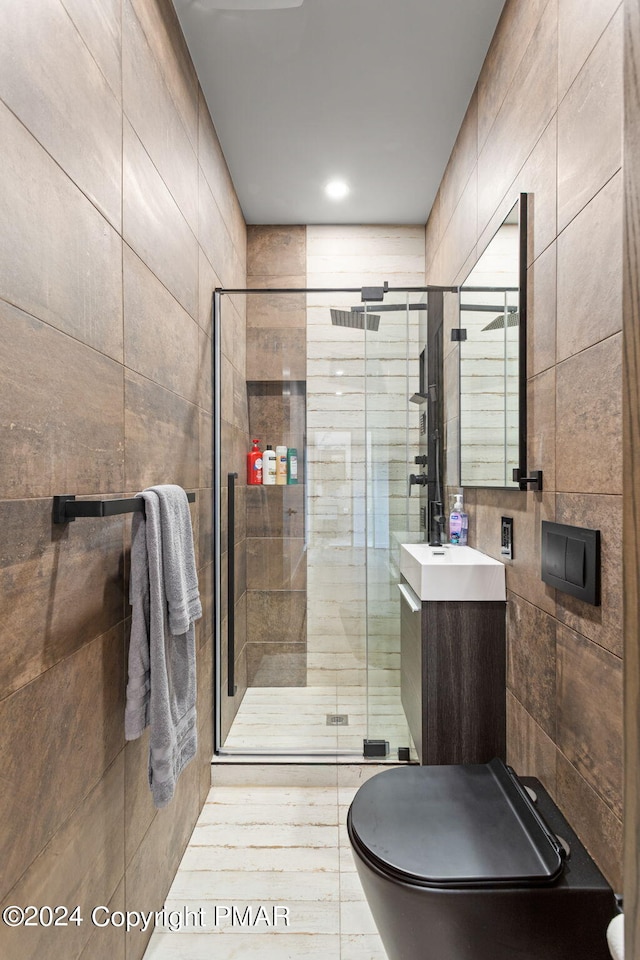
point(369, 91)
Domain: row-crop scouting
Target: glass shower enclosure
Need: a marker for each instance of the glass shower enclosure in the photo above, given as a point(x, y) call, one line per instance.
point(307, 605)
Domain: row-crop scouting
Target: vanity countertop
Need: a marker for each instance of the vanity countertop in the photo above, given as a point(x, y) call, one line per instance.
point(452, 572)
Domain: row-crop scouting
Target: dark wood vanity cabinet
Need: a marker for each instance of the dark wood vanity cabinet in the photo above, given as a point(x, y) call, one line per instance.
point(453, 683)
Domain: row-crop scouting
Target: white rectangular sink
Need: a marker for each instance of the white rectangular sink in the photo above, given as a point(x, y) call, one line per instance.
point(451, 572)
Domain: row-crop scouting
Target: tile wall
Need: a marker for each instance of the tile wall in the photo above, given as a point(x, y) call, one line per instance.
point(276, 385)
point(119, 220)
point(546, 118)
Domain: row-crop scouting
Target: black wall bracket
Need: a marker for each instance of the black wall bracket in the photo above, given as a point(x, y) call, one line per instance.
point(534, 482)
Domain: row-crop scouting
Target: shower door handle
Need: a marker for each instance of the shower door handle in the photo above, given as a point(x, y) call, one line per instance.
point(231, 583)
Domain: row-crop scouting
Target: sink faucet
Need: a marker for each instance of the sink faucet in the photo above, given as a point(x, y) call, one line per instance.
point(437, 525)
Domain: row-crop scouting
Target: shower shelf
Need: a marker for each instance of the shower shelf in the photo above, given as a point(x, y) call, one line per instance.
point(66, 508)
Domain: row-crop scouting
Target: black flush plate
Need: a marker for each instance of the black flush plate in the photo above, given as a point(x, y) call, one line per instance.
point(571, 560)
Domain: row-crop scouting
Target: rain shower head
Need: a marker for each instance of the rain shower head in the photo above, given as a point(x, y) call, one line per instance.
point(348, 318)
point(513, 319)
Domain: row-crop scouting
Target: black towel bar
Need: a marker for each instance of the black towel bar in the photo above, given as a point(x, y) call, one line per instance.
point(66, 508)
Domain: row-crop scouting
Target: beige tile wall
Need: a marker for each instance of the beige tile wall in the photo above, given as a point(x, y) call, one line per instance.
point(119, 219)
point(546, 118)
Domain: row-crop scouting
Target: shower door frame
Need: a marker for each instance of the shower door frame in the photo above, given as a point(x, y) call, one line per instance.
point(216, 351)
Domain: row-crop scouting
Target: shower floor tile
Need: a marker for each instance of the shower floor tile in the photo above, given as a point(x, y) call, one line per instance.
point(293, 720)
point(265, 846)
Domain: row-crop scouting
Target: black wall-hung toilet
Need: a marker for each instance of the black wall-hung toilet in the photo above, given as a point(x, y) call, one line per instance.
point(458, 863)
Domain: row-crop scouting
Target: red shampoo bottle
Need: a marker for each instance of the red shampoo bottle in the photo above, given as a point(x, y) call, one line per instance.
point(254, 464)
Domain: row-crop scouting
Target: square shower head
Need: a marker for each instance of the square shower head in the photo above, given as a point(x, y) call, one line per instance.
point(348, 318)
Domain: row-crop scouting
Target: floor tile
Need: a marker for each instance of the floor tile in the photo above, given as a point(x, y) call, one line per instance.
point(256, 848)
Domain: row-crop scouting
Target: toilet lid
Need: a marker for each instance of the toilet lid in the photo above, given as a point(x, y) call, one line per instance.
point(468, 824)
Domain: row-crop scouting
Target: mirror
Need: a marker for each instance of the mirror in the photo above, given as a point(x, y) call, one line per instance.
point(492, 358)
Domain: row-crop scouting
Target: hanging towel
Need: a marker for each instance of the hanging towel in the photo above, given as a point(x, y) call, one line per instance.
point(161, 690)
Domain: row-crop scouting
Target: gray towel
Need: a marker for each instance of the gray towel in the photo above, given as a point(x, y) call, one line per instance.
point(161, 690)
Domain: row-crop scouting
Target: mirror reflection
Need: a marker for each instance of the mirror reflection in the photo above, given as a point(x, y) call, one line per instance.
point(489, 363)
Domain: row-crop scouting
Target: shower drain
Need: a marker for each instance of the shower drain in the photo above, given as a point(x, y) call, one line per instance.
point(337, 719)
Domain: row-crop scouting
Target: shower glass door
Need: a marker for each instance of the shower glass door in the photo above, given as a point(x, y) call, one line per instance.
point(307, 652)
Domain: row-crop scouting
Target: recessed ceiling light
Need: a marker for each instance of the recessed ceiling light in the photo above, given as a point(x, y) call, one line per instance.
point(336, 189)
point(339, 373)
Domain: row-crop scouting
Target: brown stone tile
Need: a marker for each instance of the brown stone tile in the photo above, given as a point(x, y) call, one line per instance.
point(541, 425)
point(509, 46)
point(60, 95)
point(276, 564)
point(240, 568)
point(205, 528)
point(241, 510)
point(207, 283)
point(528, 106)
point(276, 354)
point(74, 716)
point(230, 705)
point(531, 661)
point(276, 251)
point(154, 864)
point(276, 665)
point(527, 510)
point(164, 35)
point(216, 172)
point(206, 450)
point(154, 116)
point(598, 828)
point(463, 158)
point(541, 312)
point(459, 236)
point(538, 178)
point(240, 402)
point(205, 626)
point(277, 616)
point(154, 226)
point(161, 436)
point(205, 765)
point(580, 26)
point(276, 511)
point(433, 233)
point(590, 723)
point(205, 373)
point(62, 435)
point(107, 943)
point(274, 310)
point(530, 751)
point(226, 390)
point(589, 420)
point(214, 235)
point(602, 624)
point(81, 865)
point(204, 665)
point(591, 113)
point(100, 29)
point(62, 587)
point(160, 338)
point(466, 268)
point(590, 273)
point(139, 808)
point(48, 222)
